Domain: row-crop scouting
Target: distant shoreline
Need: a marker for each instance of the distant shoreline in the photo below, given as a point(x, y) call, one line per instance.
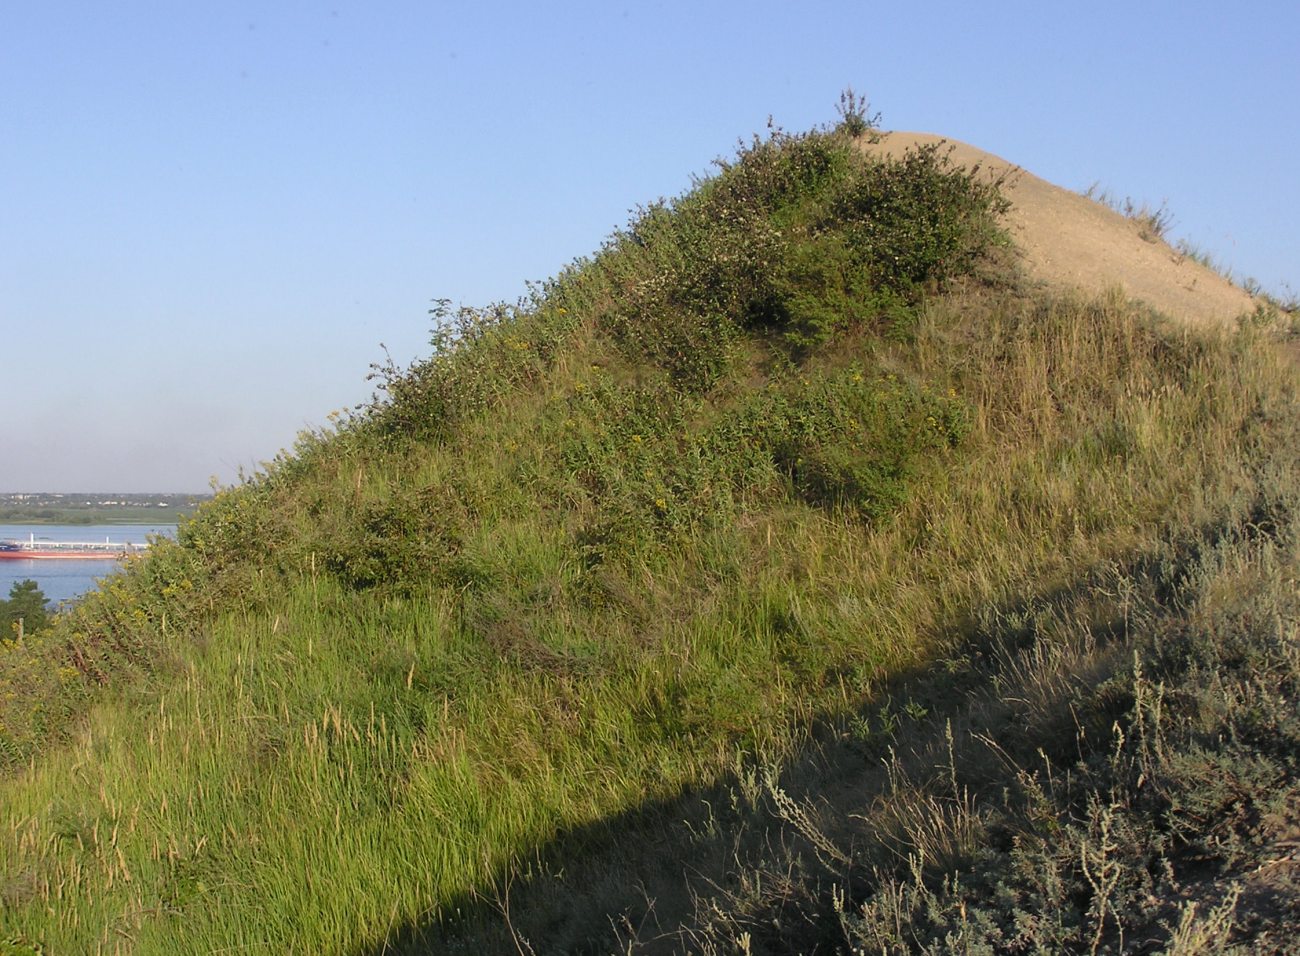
point(159, 519)
point(87, 509)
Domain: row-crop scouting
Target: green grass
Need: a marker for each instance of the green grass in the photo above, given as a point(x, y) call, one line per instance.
point(1120, 767)
point(780, 443)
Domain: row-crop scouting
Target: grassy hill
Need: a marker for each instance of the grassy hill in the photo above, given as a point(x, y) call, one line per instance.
point(793, 574)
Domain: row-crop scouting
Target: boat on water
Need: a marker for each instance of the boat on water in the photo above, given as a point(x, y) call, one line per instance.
point(105, 550)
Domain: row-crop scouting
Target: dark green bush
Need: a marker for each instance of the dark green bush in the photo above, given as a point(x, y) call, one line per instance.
point(480, 356)
point(804, 236)
point(656, 464)
point(921, 219)
point(26, 603)
point(395, 543)
point(850, 441)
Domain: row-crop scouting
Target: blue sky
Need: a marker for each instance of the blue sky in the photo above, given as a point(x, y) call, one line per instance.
point(212, 214)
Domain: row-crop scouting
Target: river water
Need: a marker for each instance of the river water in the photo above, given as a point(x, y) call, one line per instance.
point(65, 580)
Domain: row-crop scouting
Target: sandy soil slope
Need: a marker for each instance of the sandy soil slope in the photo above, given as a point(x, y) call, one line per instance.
point(1069, 240)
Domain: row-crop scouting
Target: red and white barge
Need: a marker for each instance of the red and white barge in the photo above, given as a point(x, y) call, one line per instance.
point(46, 550)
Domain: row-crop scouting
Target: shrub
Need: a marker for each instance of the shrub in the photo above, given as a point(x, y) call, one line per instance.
point(26, 603)
point(803, 236)
point(855, 115)
point(849, 441)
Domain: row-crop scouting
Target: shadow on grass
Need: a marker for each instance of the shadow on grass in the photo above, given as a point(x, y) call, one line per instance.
point(634, 882)
point(1046, 682)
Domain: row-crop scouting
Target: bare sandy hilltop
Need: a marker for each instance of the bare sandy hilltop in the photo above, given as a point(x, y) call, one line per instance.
point(1069, 240)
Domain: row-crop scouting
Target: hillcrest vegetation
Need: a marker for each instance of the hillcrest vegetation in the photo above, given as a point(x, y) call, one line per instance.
point(793, 574)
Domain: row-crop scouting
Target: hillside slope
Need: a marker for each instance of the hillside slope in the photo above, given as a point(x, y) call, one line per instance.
point(792, 569)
